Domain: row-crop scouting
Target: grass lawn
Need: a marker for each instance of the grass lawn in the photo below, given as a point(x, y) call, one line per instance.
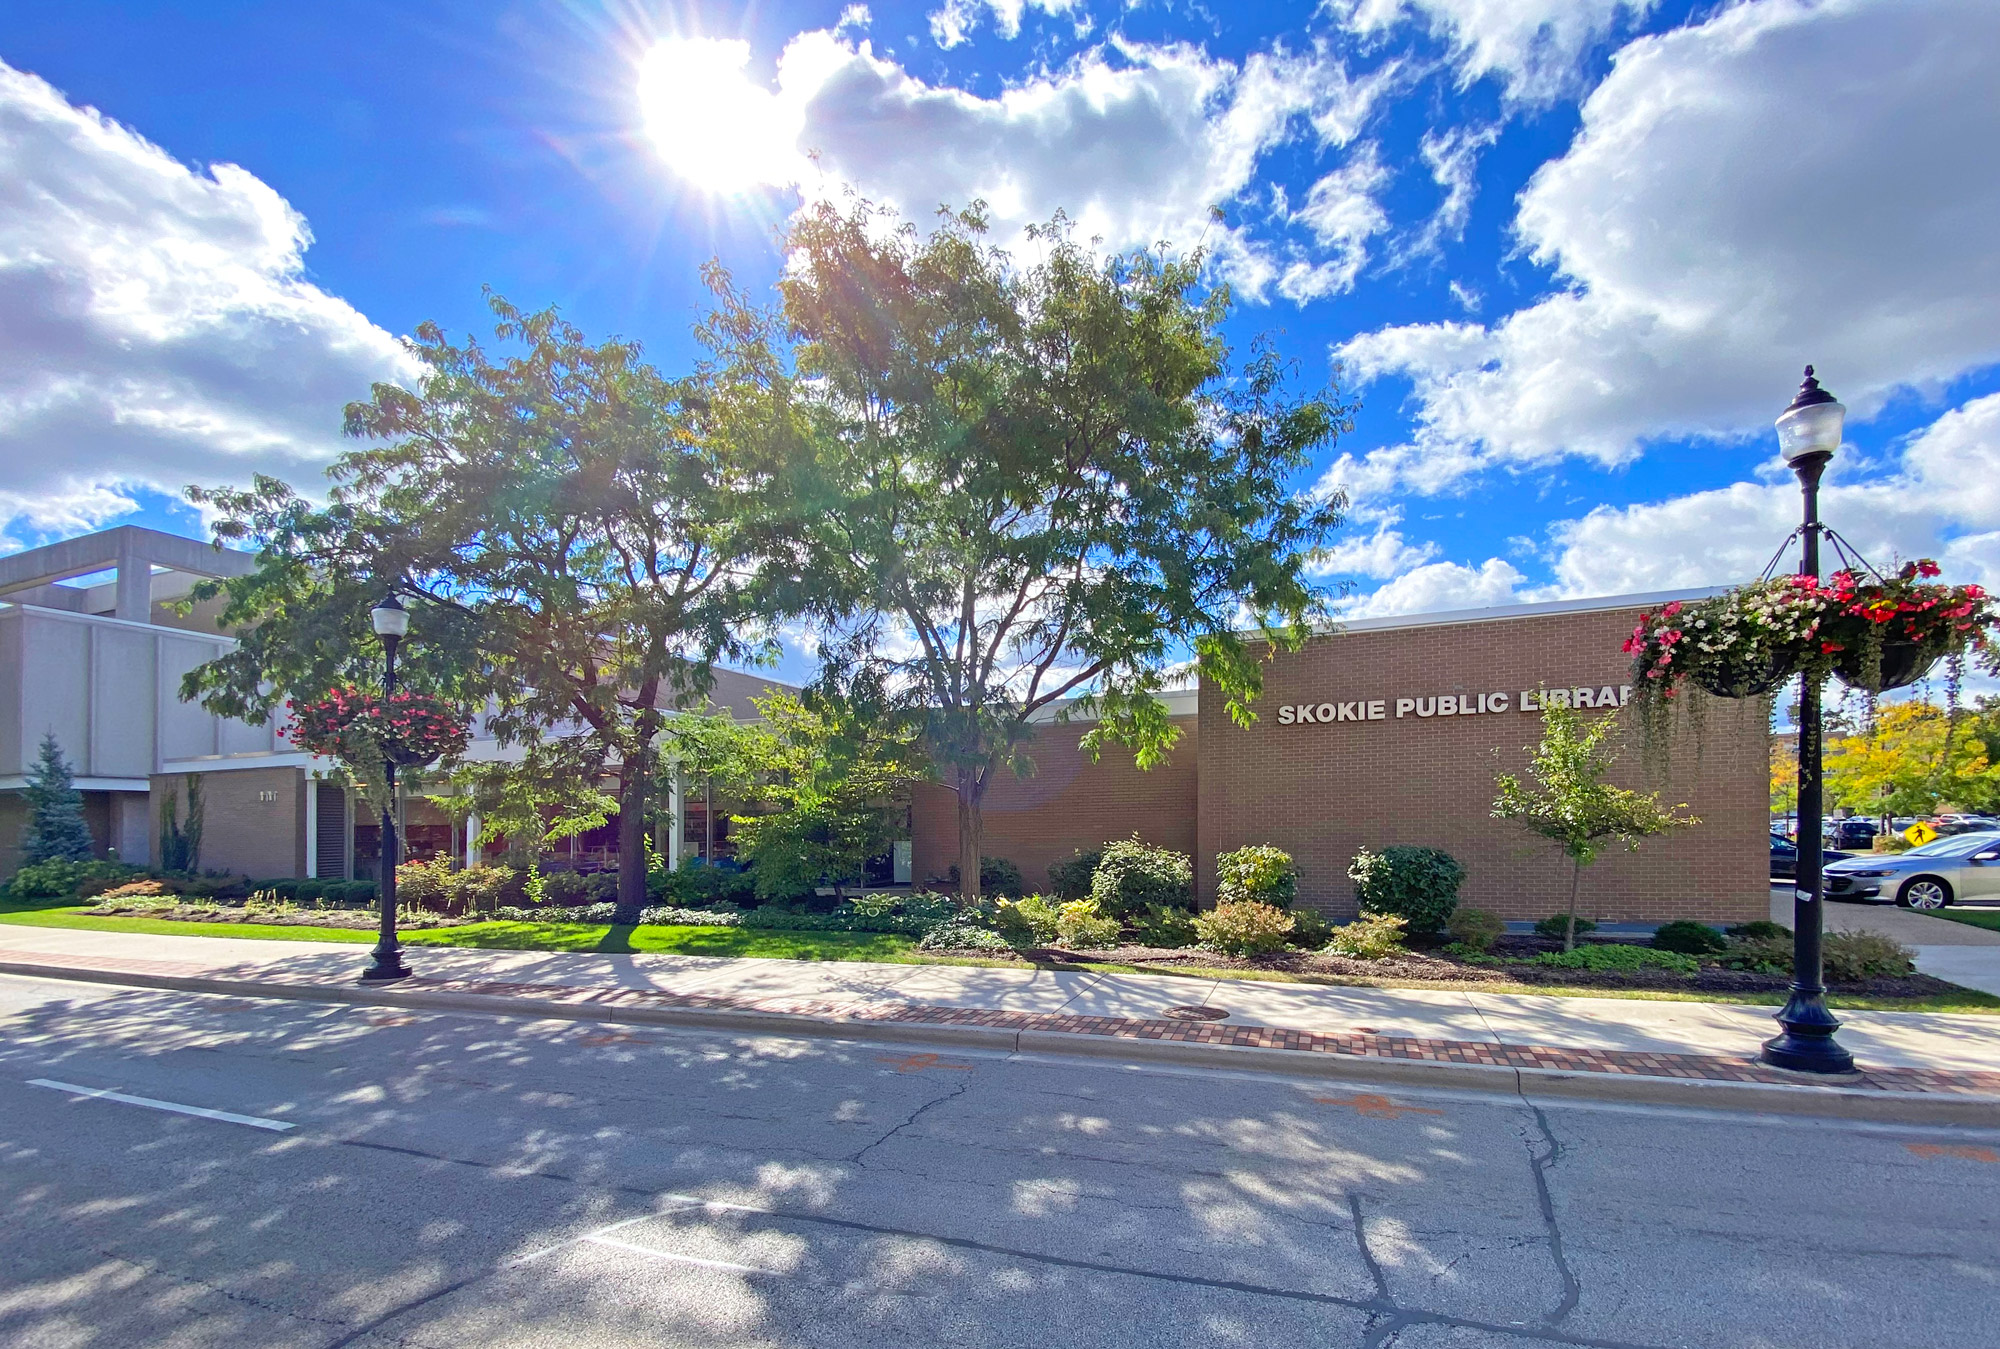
point(887, 948)
point(698, 941)
point(1986, 918)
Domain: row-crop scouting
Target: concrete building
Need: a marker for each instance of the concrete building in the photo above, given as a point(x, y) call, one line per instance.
point(1389, 731)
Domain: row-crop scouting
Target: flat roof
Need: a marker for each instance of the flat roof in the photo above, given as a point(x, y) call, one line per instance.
point(1595, 604)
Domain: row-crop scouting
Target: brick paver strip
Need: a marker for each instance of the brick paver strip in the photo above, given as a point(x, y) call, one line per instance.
point(1361, 1044)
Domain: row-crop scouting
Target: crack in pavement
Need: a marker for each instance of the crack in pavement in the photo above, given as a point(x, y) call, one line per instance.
point(1372, 1306)
point(1540, 1166)
point(915, 1115)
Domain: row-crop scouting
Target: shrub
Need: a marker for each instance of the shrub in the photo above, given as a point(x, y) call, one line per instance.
point(1475, 929)
point(1761, 928)
point(1618, 956)
point(137, 890)
point(1029, 921)
point(962, 934)
point(484, 889)
point(1260, 873)
point(1134, 875)
point(1849, 957)
point(425, 884)
point(1372, 936)
point(1689, 938)
point(1244, 928)
point(58, 878)
point(997, 876)
point(1310, 929)
point(666, 915)
point(1082, 925)
point(1471, 955)
point(1556, 924)
point(698, 884)
point(1164, 926)
point(1071, 878)
point(1419, 885)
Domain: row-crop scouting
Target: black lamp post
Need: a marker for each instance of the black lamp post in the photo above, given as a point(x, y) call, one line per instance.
point(1808, 434)
point(391, 621)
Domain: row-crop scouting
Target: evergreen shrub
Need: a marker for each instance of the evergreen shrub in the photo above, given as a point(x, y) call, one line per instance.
point(1419, 885)
point(1133, 875)
point(1260, 873)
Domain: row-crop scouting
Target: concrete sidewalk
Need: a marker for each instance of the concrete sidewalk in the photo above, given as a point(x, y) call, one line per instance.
point(1317, 1028)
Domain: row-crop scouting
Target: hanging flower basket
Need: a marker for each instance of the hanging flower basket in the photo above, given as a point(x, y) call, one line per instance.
point(358, 728)
point(1888, 634)
point(1749, 676)
point(1900, 665)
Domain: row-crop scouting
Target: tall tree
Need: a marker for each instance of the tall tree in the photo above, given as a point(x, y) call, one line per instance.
point(56, 829)
point(1911, 758)
point(1571, 804)
point(568, 539)
point(1012, 484)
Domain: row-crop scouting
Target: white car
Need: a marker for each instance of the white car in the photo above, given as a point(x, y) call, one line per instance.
point(1944, 871)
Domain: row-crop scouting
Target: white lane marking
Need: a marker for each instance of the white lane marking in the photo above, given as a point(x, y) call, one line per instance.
point(106, 1094)
point(608, 1227)
point(637, 1249)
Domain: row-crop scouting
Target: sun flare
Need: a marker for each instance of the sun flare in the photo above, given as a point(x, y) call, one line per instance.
point(710, 123)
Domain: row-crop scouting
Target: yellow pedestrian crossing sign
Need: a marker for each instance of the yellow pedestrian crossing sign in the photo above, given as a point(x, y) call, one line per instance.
point(1919, 834)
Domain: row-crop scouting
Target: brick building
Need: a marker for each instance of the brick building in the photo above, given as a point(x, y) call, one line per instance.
point(1391, 731)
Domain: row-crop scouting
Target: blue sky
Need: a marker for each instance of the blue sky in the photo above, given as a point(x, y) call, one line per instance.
point(1570, 253)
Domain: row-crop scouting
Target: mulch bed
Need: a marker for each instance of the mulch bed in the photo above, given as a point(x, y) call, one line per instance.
point(361, 920)
point(1421, 967)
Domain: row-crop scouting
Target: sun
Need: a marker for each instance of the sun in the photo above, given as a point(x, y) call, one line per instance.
point(710, 123)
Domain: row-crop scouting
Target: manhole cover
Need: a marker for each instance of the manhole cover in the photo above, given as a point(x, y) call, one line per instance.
point(1194, 1013)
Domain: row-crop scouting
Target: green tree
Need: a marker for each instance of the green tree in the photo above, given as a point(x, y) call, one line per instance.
point(180, 844)
point(1572, 806)
point(834, 773)
point(567, 536)
point(1911, 758)
point(1012, 483)
point(56, 829)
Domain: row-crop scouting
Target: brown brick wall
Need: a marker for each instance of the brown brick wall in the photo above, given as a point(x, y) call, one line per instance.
point(1322, 791)
point(242, 833)
point(1069, 803)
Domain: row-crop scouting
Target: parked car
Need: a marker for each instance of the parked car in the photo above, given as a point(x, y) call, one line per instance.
point(1785, 857)
point(1856, 834)
point(1959, 866)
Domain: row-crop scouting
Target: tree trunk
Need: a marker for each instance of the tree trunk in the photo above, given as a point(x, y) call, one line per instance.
point(971, 786)
point(1575, 881)
point(632, 837)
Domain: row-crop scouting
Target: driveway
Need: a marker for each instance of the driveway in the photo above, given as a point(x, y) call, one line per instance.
point(1958, 952)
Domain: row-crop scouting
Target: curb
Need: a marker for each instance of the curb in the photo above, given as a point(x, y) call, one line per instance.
point(1806, 1098)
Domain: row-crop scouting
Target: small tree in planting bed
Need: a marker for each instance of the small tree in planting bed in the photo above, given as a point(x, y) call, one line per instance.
point(1260, 873)
point(56, 830)
point(1572, 806)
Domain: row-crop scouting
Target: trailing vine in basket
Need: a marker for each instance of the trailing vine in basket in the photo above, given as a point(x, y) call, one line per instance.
point(365, 731)
point(1875, 633)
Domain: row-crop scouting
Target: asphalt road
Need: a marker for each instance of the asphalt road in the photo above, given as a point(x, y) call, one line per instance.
point(472, 1181)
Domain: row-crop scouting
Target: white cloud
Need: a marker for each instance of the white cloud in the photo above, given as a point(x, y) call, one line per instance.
point(954, 23)
point(1342, 212)
point(1534, 47)
point(1380, 555)
point(158, 330)
point(1135, 142)
point(1441, 586)
point(1452, 156)
point(1786, 182)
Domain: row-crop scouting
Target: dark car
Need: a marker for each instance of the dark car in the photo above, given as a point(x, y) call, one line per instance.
point(1852, 833)
point(1785, 857)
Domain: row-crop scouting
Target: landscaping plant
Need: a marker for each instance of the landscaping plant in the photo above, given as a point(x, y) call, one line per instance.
point(1244, 928)
point(1259, 872)
point(1031, 920)
point(1133, 875)
point(1572, 806)
point(1164, 926)
point(1372, 936)
point(1556, 925)
point(56, 831)
point(1852, 957)
point(1072, 877)
point(1082, 925)
point(1689, 938)
point(1475, 929)
point(1419, 885)
point(1618, 956)
point(180, 845)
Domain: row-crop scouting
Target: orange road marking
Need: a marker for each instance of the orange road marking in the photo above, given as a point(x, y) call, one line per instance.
point(1962, 1151)
point(916, 1063)
point(613, 1038)
point(1376, 1107)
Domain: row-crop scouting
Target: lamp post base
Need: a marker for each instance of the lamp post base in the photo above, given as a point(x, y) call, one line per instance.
point(1807, 1046)
point(388, 965)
